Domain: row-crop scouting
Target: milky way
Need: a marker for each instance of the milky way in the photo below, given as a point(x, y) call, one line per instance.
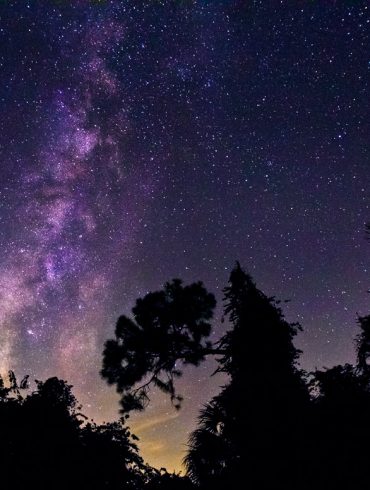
point(145, 140)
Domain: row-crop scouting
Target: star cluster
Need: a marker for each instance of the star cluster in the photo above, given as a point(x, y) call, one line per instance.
point(145, 140)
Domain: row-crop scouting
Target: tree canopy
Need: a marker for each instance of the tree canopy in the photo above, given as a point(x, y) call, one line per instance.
point(272, 426)
point(47, 443)
point(169, 328)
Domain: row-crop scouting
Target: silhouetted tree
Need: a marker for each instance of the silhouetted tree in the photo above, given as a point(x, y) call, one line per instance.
point(340, 420)
point(45, 442)
point(340, 429)
point(363, 346)
point(265, 430)
point(162, 480)
point(252, 430)
point(244, 427)
point(210, 450)
point(111, 457)
point(170, 328)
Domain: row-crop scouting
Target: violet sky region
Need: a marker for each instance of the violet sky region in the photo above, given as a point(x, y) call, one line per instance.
point(146, 140)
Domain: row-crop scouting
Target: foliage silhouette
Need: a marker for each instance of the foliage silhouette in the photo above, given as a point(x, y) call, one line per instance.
point(363, 346)
point(257, 419)
point(340, 419)
point(170, 328)
point(162, 480)
point(272, 426)
point(257, 353)
point(46, 443)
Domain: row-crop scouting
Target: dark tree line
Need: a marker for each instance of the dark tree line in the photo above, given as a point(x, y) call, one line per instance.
point(271, 427)
point(47, 444)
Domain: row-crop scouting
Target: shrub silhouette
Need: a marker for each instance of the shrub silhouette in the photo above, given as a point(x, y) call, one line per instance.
point(46, 443)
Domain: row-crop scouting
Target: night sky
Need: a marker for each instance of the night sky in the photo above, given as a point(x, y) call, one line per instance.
point(146, 140)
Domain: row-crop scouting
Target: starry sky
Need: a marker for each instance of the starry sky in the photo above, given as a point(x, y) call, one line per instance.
point(142, 140)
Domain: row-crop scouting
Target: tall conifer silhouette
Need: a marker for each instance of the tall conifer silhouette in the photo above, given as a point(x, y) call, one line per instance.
point(251, 430)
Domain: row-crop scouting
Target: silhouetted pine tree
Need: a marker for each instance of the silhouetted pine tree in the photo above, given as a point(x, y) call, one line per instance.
point(169, 330)
point(253, 430)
